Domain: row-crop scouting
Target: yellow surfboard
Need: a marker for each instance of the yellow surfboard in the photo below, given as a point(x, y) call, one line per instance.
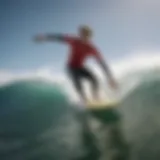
point(102, 104)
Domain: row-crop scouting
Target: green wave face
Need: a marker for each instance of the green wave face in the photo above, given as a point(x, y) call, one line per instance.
point(37, 122)
point(30, 110)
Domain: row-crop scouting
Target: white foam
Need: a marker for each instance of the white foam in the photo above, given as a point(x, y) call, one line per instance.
point(129, 65)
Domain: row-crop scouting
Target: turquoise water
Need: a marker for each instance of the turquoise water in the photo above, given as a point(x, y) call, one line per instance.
point(37, 122)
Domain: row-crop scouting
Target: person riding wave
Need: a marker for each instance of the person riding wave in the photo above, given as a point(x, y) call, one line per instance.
point(81, 48)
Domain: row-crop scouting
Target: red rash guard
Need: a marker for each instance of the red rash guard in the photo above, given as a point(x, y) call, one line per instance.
point(79, 51)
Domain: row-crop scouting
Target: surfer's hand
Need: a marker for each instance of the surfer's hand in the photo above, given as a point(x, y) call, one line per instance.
point(39, 38)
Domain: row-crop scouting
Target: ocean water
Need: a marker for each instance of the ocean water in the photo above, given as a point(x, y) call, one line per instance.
point(38, 122)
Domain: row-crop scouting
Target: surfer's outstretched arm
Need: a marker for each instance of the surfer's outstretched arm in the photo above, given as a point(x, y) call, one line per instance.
point(105, 68)
point(54, 37)
point(108, 73)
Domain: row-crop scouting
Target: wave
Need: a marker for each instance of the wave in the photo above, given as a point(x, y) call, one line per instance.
point(37, 121)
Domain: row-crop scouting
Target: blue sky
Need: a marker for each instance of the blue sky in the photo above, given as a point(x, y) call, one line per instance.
point(121, 27)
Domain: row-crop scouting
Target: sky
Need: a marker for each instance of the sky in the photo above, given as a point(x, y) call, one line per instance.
point(125, 31)
point(121, 27)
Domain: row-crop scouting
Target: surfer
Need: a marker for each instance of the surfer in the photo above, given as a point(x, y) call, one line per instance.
point(81, 47)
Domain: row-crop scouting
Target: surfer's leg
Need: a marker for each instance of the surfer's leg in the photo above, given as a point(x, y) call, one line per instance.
point(78, 85)
point(94, 82)
point(75, 75)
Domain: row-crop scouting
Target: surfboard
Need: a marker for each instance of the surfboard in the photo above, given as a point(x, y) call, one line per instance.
point(102, 104)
